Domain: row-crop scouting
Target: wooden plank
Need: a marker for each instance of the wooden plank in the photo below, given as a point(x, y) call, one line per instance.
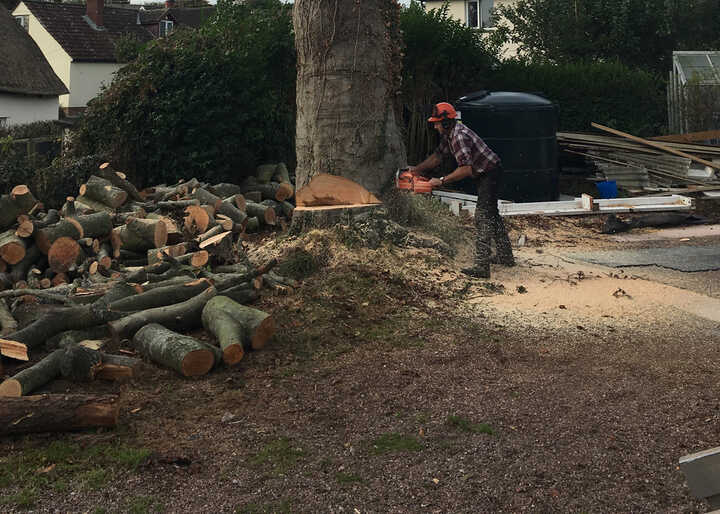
point(656, 145)
point(690, 137)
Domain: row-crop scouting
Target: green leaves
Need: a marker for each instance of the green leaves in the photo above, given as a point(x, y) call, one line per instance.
point(210, 102)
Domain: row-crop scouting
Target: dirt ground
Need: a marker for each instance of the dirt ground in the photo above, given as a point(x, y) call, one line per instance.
point(397, 384)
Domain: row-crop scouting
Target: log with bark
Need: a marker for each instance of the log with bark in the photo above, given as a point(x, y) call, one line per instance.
point(67, 227)
point(12, 247)
point(238, 324)
point(184, 354)
point(266, 215)
point(64, 254)
point(119, 179)
point(103, 191)
point(220, 247)
point(180, 316)
point(19, 201)
point(57, 413)
point(34, 377)
point(94, 225)
point(161, 296)
point(140, 235)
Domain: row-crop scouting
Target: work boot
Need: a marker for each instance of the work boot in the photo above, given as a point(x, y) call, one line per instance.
point(477, 271)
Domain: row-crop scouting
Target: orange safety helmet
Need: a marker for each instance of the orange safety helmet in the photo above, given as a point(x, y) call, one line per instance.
point(443, 111)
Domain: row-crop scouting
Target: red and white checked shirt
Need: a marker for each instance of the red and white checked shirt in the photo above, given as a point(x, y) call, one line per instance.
point(468, 150)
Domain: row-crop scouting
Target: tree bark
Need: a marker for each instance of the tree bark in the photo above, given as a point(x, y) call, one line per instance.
point(180, 316)
point(57, 413)
point(102, 190)
point(346, 51)
point(266, 215)
point(220, 246)
point(258, 326)
point(184, 354)
point(161, 296)
point(140, 235)
point(95, 225)
point(67, 227)
point(118, 179)
point(80, 364)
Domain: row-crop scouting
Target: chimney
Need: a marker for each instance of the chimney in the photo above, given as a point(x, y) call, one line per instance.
point(95, 11)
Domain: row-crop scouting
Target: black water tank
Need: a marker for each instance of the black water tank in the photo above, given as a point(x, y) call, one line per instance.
point(521, 128)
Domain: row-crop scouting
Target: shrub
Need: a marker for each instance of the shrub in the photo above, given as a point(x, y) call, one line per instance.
point(210, 103)
point(609, 93)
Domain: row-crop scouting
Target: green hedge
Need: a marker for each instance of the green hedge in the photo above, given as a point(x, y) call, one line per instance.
point(611, 94)
point(210, 103)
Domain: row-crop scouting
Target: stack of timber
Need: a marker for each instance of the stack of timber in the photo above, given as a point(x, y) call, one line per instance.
point(642, 165)
point(140, 267)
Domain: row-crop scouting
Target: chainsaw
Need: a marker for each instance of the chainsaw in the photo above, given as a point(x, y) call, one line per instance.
point(406, 180)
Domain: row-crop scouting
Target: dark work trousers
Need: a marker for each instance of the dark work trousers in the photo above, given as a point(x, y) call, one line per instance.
point(489, 223)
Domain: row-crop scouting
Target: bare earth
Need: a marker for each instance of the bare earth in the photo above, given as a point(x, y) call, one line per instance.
point(390, 369)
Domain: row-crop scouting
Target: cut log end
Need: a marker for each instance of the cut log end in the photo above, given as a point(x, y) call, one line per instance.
point(11, 388)
point(63, 254)
point(197, 363)
point(263, 333)
point(13, 349)
point(232, 354)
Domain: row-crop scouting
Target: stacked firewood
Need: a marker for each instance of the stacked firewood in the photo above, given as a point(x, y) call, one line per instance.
point(144, 266)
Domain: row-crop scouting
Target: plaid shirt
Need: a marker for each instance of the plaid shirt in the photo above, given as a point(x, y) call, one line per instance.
point(468, 150)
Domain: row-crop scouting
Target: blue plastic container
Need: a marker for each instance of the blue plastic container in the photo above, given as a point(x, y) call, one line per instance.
point(607, 189)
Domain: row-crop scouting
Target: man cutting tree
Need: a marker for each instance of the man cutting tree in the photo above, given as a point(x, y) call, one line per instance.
point(474, 159)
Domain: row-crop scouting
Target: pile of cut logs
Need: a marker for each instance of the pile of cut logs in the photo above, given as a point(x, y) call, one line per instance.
point(144, 266)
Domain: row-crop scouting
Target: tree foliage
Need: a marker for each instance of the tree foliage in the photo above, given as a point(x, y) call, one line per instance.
point(640, 33)
point(211, 102)
point(443, 60)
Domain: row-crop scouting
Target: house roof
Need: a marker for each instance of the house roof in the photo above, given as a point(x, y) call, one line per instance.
point(23, 68)
point(191, 16)
point(68, 24)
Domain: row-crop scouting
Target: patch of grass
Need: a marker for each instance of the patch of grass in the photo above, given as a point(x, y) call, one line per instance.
point(23, 499)
point(143, 505)
point(394, 442)
point(465, 425)
point(94, 479)
point(347, 478)
point(61, 465)
point(285, 507)
point(279, 455)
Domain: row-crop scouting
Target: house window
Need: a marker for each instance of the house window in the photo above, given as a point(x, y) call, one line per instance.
point(473, 14)
point(3, 122)
point(23, 21)
point(477, 13)
point(166, 27)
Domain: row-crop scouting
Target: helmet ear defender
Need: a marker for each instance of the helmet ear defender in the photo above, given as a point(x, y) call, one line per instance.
point(445, 120)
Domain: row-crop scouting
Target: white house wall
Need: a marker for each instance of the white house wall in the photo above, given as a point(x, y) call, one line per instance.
point(19, 109)
point(457, 10)
point(86, 79)
point(54, 54)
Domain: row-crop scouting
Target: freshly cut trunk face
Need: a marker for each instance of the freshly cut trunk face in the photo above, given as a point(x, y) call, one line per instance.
point(325, 189)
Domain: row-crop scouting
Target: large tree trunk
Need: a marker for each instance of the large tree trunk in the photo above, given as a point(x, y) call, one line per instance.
point(348, 108)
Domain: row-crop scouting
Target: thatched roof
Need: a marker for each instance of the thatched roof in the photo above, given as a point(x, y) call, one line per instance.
point(23, 68)
point(66, 23)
